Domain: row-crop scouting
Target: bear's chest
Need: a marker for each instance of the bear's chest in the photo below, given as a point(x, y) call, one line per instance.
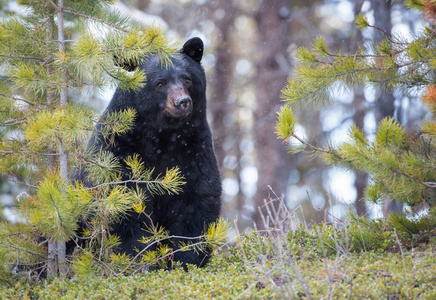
point(191, 161)
point(165, 152)
point(190, 152)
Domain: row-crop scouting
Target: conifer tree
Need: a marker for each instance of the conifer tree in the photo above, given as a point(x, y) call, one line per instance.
point(401, 164)
point(44, 132)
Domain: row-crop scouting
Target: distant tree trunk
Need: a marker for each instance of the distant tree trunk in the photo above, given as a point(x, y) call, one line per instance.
point(273, 162)
point(359, 104)
point(361, 177)
point(221, 77)
point(221, 87)
point(382, 16)
point(385, 104)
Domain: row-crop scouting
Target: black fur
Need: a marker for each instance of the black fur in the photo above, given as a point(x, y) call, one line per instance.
point(170, 130)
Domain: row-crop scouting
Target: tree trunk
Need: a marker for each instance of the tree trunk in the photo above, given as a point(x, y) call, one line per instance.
point(385, 105)
point(221, 77)
point(52, 269)
point(273, 162)
point(382, 16)
point(361, 177)
point(57, 254)
point(359, 103)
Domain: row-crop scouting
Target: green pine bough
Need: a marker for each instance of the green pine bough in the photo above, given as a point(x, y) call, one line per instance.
point(59, 52)
point(401, 165)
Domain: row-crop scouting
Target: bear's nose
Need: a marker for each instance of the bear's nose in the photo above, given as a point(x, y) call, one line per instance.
point(183, 103)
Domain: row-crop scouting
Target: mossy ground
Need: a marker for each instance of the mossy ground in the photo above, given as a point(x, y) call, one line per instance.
point(391, 258)
point(362, 275)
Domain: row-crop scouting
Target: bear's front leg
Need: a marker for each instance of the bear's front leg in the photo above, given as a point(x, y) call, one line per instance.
point(188, 229)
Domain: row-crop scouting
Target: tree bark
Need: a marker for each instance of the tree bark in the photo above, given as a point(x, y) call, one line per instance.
point(52, 247)
point(273, 161)
point(359, 104)
point(361, 177)
point(57, 253)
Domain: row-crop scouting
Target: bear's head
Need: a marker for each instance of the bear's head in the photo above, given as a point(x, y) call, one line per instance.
point(174, 94)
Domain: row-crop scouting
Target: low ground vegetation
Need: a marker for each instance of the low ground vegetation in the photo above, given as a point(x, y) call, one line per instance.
point(356, 258)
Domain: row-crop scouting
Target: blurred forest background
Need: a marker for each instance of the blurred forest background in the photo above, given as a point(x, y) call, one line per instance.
point(250, 45)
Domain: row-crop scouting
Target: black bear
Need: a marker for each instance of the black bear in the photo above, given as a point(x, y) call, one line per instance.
point(170, 130)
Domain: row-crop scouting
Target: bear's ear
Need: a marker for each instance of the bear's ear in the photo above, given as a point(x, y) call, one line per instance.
point(194, 49)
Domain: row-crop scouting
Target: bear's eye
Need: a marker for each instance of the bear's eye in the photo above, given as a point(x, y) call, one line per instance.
point(160, 83)
point(188, 81)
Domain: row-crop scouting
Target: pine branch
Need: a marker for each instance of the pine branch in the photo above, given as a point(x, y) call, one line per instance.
point(5, 153)
point(43, 22)
point(46, 67)
point(85, 160)
point(411, 71)
point(371, 68)
point(110, 74)
point(387, 35)
point(54, 5)
point(19, 99)
point(14, 234)
point(22, 249)
point(172, 252)
point(57, 212)
point(100, 261)
point(22, 181)
point(160, 182)
point(95, 19)
point(395, 171)
point(317, 149)
point(14, 122)
point(35, 39)
point(22, 57)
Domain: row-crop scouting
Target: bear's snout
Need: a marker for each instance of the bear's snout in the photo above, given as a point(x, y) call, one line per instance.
point(182, 107)
point(183, 103)
point(179, 102)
